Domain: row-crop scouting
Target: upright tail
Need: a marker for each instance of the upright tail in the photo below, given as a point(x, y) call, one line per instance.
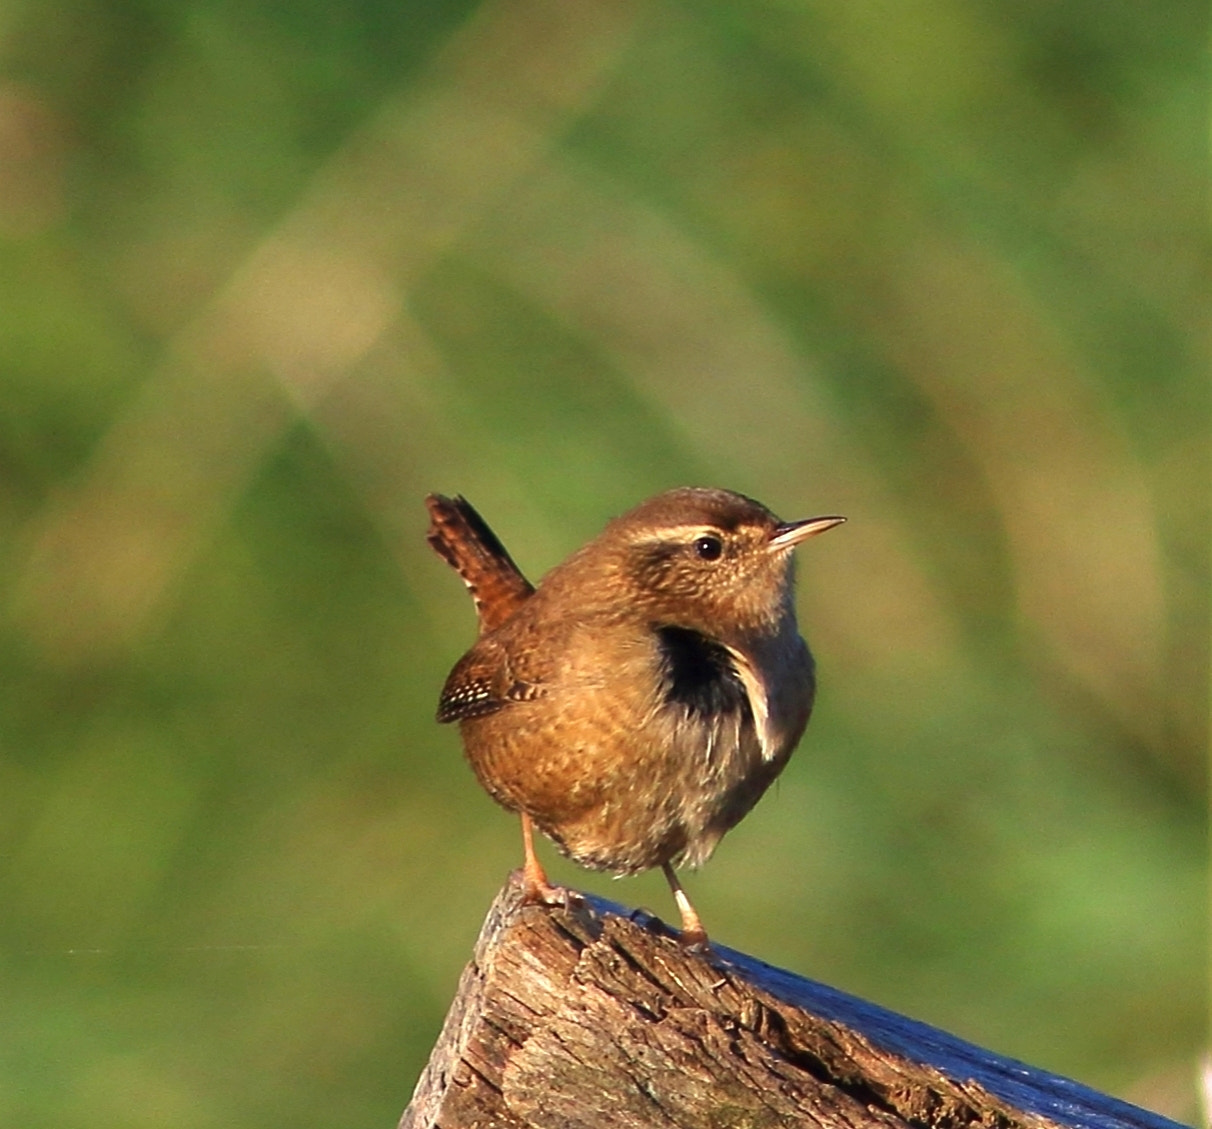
point(464, 541)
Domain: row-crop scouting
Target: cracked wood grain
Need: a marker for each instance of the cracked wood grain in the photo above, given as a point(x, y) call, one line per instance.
point(580, 1017)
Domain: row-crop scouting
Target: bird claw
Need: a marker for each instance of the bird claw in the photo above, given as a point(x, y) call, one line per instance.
point(694, 941)
point(540, 892)
point(544, 895)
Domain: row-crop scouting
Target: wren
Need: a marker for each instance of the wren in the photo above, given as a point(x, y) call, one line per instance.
point(636, 705)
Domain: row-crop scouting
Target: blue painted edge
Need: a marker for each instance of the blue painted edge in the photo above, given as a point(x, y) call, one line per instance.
point(1024, 1087)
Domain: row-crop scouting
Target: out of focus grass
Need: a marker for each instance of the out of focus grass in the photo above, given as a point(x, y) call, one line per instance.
point(269, 273)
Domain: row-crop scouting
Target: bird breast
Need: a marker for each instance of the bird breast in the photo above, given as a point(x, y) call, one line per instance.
point(729, 734)
point(665, 739)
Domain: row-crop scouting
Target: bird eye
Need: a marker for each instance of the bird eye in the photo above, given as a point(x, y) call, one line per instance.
point(708, 548)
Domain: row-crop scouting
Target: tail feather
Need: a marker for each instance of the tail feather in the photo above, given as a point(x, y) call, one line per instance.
point(463, 539)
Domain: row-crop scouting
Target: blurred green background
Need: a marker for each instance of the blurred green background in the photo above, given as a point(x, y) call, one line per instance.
point(270, 272)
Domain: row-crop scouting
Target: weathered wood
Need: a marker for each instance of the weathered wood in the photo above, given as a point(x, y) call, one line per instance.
point(584, 1018)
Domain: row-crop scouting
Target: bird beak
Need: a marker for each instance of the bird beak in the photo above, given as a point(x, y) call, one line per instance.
point(791, 533)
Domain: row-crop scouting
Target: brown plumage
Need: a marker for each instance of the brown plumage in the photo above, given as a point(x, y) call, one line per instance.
point(637, 704)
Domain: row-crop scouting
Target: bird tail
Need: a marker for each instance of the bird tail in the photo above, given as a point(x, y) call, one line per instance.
point(465, 542)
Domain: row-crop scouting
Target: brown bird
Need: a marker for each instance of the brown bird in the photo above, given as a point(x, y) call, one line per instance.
point(636, 705)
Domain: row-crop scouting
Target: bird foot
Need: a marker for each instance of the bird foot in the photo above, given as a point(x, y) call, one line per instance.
point(693, 936)
point(694, 941)
point(540, 892)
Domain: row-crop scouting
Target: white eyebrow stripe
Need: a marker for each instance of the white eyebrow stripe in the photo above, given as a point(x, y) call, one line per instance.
point(677, 532)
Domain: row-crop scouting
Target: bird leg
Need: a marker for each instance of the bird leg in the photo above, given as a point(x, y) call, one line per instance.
point(534, 877)
point(694, 936)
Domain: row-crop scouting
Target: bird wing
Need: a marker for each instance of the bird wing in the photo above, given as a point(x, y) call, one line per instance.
point(483, 682)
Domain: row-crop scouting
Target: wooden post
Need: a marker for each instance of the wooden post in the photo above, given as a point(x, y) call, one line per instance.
point(585, 1018)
